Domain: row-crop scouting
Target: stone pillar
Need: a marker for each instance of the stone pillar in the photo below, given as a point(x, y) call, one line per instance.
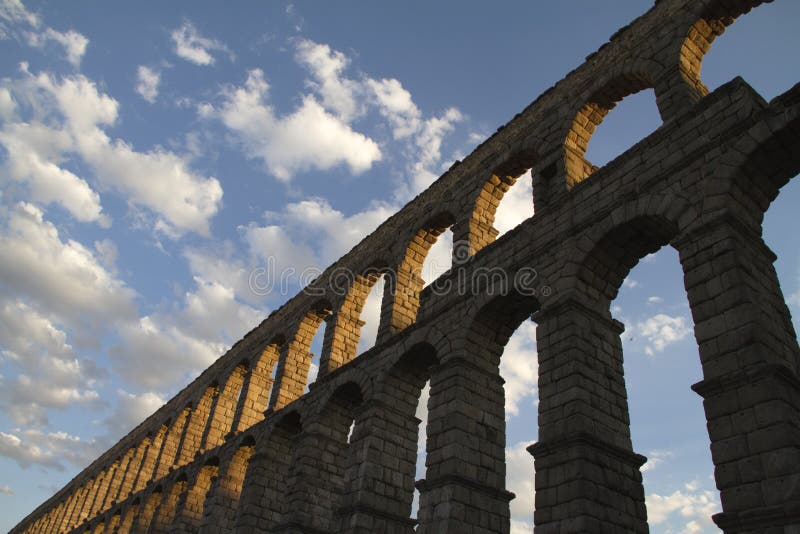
point(150, 503)
point(464, 489)
point(255, 391)
point(148, 467)
point(197, 427)
point(587, 475)
point(219, 515)
point(120, 475)
point(103, 490)
point(190, 512)
point(401, 294)
point(168, 507)
point(316, 473)
point(168, 454)
point(379, 477)
point(132, 473)
point(262, 504)
point(750, 386)
point(127, 518)
point(292, 374)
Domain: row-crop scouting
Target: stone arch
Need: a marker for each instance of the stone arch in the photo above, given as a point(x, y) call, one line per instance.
point(258, 382)
point(341, 343)
point(709, 19)
point(168, 507)
point(379, 478)
point(148, 509)
point(219, 513)
point(753, 171)
point(130, 512)
point(263, 502)
point(293, 365)
point(316, 479)
point(594, 104)
point(479, 230)
point(196, 431)
point(168, 455)
point(191, 512)
point(407, 282)
point(223, 411)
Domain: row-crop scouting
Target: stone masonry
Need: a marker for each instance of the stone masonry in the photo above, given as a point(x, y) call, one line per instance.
point(243, 449)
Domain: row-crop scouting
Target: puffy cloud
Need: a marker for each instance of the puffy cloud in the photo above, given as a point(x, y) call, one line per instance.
point(308, 138)
point(147, 81)
point(654, 459)
point(73, 42)
point(516, 205)
point(193, 47)
point(33, 154)
point(49, 374)
point(691, 507)
point(519, 367)
point(630, 283)
point(326, 65)
point(6, 490)
point(520, 481)
point(655, 300)
point(49, 450)
point(158, 179)
point(16, 20)
point(63, 277)
point(662, 330)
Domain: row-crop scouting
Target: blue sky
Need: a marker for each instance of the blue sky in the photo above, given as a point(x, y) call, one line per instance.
point(154, 155)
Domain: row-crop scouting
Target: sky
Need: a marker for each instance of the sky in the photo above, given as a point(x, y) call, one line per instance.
point(153, 156)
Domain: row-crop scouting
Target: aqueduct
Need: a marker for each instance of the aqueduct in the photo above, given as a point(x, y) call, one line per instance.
point(239, 451)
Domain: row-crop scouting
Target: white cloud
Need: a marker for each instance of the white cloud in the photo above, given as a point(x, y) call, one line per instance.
point(33, 154)
point(690, 507)
point(654, 459)
point(159, 180)
point(630, 283)
point(6, 490)
point(519, 367)
point(326, 65)
point(308, 138)
point(516, 205)
point(16, 20)
point(662, 330)
point(193, 47)
point(521, 527)
point(654, 300)
point(62, 277)
point(73, 42)
point(49, 450)
point(371, 315)
point(147, 81)
point(520, 481)
point(49, 373)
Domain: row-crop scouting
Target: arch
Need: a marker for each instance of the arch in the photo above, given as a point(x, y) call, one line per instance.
point(293, 364)
point(168, 455)
point(406, 283)
point(710, 19)
point(148, 510)
point(607, 92)
point(379, 479)
point(263, 501)
point(341, 342)
point(224, 409)
point(130, 513)
point(258, 383)
point(219, 514)
point(191, 512)
point(197, 426)
point(168, 507)
point(480, 229)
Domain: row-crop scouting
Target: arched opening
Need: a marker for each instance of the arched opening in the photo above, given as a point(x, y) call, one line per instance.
point(298, 367)
point(591, 115)
point(515, 204)
point(257, 387)
point(191, 513)
point(352, 316)
point(194, 438)
point(667, 421)
point(224, 410)
point(145, 518)
point(439, 257)
point(220, 510)
point(712, 22)
point(314, 496)
point(168, 455)
point(263, 503)
point(168, 508)
point(126, 525)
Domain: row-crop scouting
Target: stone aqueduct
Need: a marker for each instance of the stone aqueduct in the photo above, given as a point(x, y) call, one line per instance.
point(234, 452)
